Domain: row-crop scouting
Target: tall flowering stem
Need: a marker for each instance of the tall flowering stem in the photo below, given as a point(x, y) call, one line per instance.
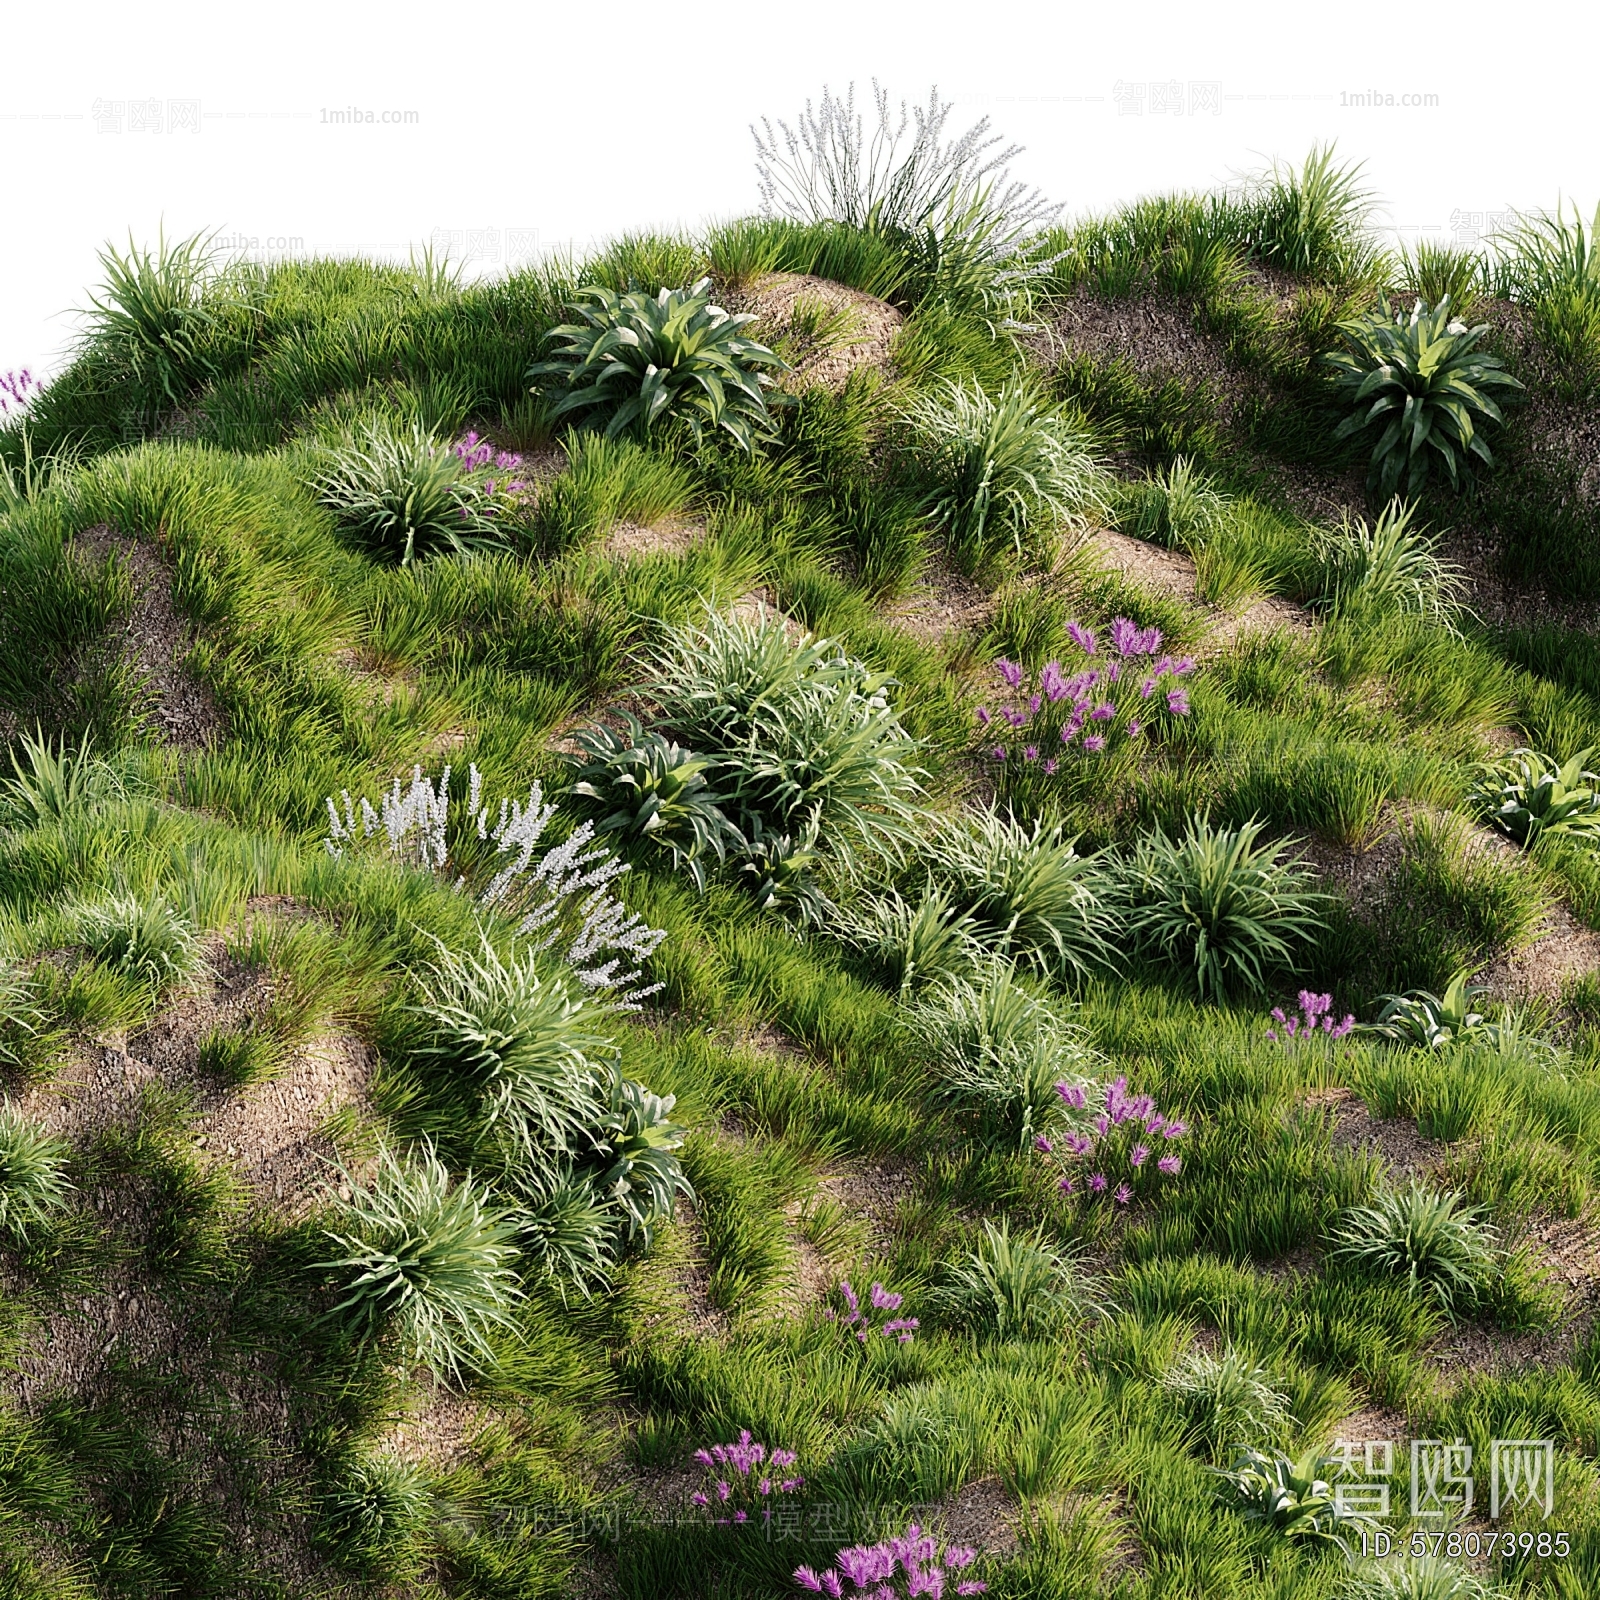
point(745, 1478)
point(482, 461)
point(1128, 1147)
point(1116, 687)
point(865, 1320)
point(895, 1569)
point(1314, 1020)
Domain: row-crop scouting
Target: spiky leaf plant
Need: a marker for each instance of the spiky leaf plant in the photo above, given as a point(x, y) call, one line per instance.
point(374, 1516)
point(1009, 472)
point(33, 1182)
point(1028, 892)
point(1430, 1021)
point(404, 493)
point(20, 1016)
point(648, 788)
point(1528, 795)
point(1421, 383)
point(1017, 1286)
point(635, 360)
point(145, 936)
point(569, 1236)
point(1221, 904)
point(52, 784)
point(1438, 1244)
point(425, 1261)
point(999, 1051)
point(636, 1167)
point(525, 1051)
point(1389, 568)
point(1226, 1399)
point(1292, 1497)
point(1312, 218)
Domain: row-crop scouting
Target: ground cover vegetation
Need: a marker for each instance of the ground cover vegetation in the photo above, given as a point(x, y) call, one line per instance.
point(899, 899)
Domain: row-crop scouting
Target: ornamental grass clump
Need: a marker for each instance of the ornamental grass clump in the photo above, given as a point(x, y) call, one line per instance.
point(894, 1569)
point(808, 752)
point(862, 1321)
point(1026, 894)
point(1226, 1400)
point(1117, 1149)
point(999, 1052)
point(1093, 703)
point(405, 493)
point(1314, 1020)
point(375, 1516)
point(1388, 569)
point(1007, 472)
point(632, 362)
point(1221, 905)
point(1017, 1286)
point(1421, 384)
point(1438, 1244)
point(914, 942)
point(425, 1262)
point(744, 1481)
point(144, 936)
point(33, 1180)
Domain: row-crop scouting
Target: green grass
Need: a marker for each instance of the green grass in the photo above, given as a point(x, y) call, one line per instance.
point(860, 1058)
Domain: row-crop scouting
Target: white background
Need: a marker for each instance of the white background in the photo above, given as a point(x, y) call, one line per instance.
point(562, 125)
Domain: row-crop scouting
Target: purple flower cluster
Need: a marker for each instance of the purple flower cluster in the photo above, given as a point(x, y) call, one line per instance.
point(860, 1317)
point(1108, 694)
point(1315, 1017)
point(743, 1479)
point(1127, 1132)
point(17, 390)
point(476, 454)
point(871, 1569)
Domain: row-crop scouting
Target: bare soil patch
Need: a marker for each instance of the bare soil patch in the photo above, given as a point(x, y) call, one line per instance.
point(629, 541)
point(982, 1514)
point(869, 325)
point(1402, 1151)
point(944, 603)
point(154, 641)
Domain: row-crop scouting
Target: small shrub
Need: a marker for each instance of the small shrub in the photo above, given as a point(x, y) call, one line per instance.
point(1311, 218)
point(1017, 1287)
point(635, 360)
point(33, 1184)
point(1388, 569)
point(1421, 381)
point(1220, 904)
point(1435, 272)
point(1528, 795)
point(405, 494)
point(1439, 1245)
point(374, 1518)
point(1412, 1577)
point(999, 1051)
point(1226, 1400)
point(1552, 262)
point(426, 1262)
point(145, 937)
point(1003, 473)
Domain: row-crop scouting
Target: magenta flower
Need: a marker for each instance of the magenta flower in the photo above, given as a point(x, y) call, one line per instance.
point(1123, 1195)
point(1042, 1143)
point(1178, 702)
point(1097, 1182)
point(1094, 743)
point(983, 715)
point(1135, 727)
point(1072, 1093)
point(999, 752)
point(1174, 1130)
point(1139, 1155)
point(1010, 671)
point(1081, 637)
point(1103, 712)
point(1050, 767)
point(1030, 752)
point(1171, 1166)
point(1067, 1186)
